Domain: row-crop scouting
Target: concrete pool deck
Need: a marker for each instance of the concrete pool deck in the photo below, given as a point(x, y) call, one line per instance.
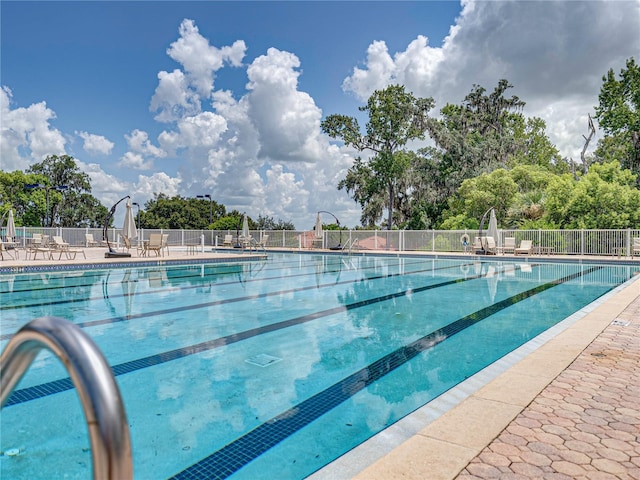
point(570, 409)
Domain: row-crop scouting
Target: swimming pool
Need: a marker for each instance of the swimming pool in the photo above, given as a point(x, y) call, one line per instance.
point(273, 369)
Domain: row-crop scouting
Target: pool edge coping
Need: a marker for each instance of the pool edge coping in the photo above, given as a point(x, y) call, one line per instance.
point(452, 436)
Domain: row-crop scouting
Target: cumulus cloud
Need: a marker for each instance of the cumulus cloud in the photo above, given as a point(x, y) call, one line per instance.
point(159, 182)
point(554, 53)
point(135, 161)
point(139, 142)
point(181, 92)
point(261, 150)
point(286, 119)
point(95, 144)
point(27, 129)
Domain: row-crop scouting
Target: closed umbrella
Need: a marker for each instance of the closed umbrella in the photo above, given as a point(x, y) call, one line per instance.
point(129, 229)
point(245, 227)
point(11, 227)
point(493, 227)
point(318, 226)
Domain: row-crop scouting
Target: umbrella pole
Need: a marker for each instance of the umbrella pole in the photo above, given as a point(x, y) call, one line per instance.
point(105, 234)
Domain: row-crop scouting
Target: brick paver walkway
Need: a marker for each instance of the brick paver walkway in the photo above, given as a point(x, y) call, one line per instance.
point(583, 425)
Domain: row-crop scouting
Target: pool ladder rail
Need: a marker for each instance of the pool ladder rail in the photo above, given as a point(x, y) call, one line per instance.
point(99, 394)
point(350, 245)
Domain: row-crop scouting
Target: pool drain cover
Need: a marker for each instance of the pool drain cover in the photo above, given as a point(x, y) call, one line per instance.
point(263, 360)
point(620, 323)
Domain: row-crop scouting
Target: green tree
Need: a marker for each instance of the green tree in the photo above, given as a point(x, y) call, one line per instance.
point(476, 137)
point(395, 118)
point(535, 148)
point(518, 196)
point(605, 197)
point(618, 114)
point(179, 212)
point(268, 223)
point(72, 207)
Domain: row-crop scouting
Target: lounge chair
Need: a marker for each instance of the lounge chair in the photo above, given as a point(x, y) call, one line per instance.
point(89, 240)
point(509, 245)
point(635, 247)
point(228, 240)
point(263, 241)
point(525, 248)
point(490, 247)
point(65, 249)
point(477, 245)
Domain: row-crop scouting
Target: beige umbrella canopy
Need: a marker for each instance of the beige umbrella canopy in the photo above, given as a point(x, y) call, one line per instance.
point(11, 227)
point(318, 226)
point(492, 231)
point(129, 229)
point(245, 227)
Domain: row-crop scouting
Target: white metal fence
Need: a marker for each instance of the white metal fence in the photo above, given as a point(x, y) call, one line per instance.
point(566, 242)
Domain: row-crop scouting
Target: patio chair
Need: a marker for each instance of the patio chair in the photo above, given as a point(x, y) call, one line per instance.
point(154, 244)
point(635, 247)
point(126, 242)
point(65, 249)
point(477, 245)
point(525, 248)
point(89, 240)
point(263, 241)
point(490, 246)
point(509, 245)
point(228, 240)
point(4, 249)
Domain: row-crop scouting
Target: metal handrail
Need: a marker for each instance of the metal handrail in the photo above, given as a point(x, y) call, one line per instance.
point(93, 379)
point(351, 244)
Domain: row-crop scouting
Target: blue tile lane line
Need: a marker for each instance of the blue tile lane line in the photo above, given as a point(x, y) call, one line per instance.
point(56, 386)
point(229, 459)
point(106, 321)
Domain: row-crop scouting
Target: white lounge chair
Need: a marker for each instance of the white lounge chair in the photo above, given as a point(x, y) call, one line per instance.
point(525, 248)
point(89, 240)
point(509, 245)
point(228, 240)
point(635, 247)
point(65, 249)
point(490, 245)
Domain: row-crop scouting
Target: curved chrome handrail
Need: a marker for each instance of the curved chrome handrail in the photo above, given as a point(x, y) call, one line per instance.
point(93, 379)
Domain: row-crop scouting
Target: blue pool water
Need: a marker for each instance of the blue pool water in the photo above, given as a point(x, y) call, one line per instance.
point(272, 369)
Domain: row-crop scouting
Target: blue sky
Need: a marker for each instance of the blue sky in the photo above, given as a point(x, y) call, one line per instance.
point(226, 97)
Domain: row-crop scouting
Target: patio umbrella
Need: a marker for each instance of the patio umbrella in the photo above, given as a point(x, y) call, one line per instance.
point(129, 229)
point(11, 227)
point(318, 226)
point(492, 231)
point(245, 227)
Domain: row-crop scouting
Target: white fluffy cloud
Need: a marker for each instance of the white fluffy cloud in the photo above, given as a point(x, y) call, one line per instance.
point(261, 150)
point(27, 129)
point(554, 54)
point(180, 92)
point(96, 144)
